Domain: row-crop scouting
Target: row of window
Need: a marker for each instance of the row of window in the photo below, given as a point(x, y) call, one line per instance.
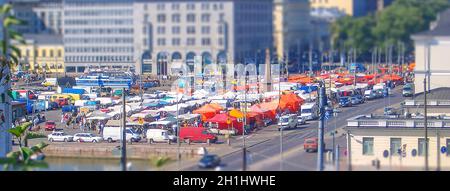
point(176, 18)
point(99, 40)
point(98, 58)
point(98, 12)
point(99, 31)
point(395, 146)
point(100, 49)
point(189, 6)
point(51, 53)
point(189, 41)
point(98, 22)
point(189, 30)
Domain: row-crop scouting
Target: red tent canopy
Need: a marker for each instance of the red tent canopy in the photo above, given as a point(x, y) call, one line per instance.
point(221, 120)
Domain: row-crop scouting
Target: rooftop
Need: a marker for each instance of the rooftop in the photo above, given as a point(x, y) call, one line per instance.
point(379, 121)
point(44, 39)
point(441, 26)
point(442, 93)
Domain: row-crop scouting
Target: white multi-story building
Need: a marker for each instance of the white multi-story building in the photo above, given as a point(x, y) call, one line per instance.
point(40, 16)
point(169, 33)
point(98, 33)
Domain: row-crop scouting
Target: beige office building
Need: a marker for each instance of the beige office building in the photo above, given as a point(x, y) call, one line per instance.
point(291, 19)
point(432, 54)
point(397, 143)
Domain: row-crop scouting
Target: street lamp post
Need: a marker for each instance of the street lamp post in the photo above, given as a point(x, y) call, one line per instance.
point(124, 138)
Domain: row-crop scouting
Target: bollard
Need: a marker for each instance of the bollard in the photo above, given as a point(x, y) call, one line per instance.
point(229, 142)
point(208, 142)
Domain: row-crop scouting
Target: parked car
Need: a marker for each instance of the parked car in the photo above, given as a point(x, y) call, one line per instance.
point(160, 135)
point(87, 137)
point(345, 102)
point(50, 125)
point(312, 144)
point(196, 134)
point(288, 122)
point(301, 120)
point(59, 136)
point(355, 100)
point(209, 161)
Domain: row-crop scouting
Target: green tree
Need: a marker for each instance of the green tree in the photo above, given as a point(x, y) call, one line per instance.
point(394, 24)
point(23, 158)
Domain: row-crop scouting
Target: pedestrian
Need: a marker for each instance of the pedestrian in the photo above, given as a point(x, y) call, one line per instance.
point(62, 117)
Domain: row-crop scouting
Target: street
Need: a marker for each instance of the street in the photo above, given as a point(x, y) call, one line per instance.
point(266, 156)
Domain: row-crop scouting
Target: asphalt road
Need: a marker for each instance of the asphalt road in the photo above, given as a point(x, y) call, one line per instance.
point(266, 156)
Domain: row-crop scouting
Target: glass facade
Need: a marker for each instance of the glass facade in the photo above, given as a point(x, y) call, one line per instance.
point(96, 32)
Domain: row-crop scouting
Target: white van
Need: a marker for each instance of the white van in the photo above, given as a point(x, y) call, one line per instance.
point(160, 135)
point(112, 134)
point(49, 82)
point(288, 122)
point(310, 111)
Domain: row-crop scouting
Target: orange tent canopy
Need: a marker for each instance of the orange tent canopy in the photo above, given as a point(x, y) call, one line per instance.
point(207, 111)
point(290, 102)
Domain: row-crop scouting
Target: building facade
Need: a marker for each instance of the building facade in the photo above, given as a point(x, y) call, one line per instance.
point(151, 36)
point(431, 53)
point(42, 54)
point(292, 25)
point(98, 33)
point(354, 8)
point(171, 33)
point(397, 143)
point(40, 16)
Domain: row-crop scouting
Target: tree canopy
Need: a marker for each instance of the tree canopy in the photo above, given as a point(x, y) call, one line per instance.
point(395, 24)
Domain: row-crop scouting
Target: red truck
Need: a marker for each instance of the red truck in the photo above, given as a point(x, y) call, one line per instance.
point(312, 144)
point(196, 134)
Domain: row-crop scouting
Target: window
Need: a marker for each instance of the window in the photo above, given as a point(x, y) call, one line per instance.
point(190, 30)
point(205, 6)
point(44, 53)
point(59, 53)
point(175, 6)
point(27, 54)
point(190, 17)
point(396, 144)
point(220, 29)
point(367, 145)
point(51, 53)
point(176, 18)
point(161, 30)
point(190, 6)
point(421, 147)
point(146, 18)
point(190, 41)
point(176, 30)
point(221, 41)
point(205, 30)
point(160, 6)
point(161, 42)
point(206, 41)
point(448, 144)
point(205, 17)
point(161, 18)
point(147, 68)
point(176, 42)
